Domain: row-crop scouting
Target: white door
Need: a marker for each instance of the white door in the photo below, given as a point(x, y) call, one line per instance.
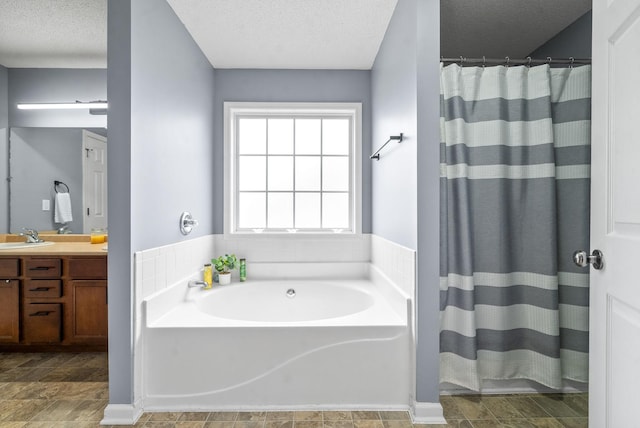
point(615, 216)
point(94, 181)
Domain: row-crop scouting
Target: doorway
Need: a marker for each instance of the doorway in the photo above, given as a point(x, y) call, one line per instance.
point(575, 39)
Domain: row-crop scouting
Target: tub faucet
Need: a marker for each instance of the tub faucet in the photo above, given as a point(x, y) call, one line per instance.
point(197, 284)
point(31, 235)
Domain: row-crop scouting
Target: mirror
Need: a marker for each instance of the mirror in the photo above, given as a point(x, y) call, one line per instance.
point(40, 142)
point(40, 156)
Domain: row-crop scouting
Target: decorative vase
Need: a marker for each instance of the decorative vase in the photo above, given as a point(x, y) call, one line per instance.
point(224, 278)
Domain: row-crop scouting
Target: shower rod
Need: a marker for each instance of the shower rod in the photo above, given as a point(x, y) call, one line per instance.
point(462, 61)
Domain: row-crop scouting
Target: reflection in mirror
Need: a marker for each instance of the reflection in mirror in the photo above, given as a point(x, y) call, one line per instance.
point(40, 156)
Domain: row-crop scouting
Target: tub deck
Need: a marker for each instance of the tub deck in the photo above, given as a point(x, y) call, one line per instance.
point(187, 314)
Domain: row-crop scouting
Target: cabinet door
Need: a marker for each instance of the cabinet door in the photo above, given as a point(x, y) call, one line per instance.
point(89, 310)
point(9, 311)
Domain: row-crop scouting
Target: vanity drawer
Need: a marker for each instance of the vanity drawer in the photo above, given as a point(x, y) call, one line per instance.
point(42, 322)
point(88, 268)
point(42, 268)
point(9, 268)
point(42, 288)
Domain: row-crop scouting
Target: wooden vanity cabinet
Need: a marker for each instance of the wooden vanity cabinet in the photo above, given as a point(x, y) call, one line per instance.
point(10, 300)
point(53, 302)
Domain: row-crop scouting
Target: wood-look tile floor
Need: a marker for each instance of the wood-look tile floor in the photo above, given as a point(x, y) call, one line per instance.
point(53, 389)
point(71, 390)
point(516, 411)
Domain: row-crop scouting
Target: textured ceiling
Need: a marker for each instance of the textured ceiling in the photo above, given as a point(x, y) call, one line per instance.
point(53, 33)
point(330, 34)
point(302, 34)
point(500, 28)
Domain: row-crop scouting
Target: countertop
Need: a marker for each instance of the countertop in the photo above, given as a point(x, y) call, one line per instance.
point(63, 245)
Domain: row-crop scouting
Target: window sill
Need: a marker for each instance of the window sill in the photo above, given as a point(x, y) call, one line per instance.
point(293, 236)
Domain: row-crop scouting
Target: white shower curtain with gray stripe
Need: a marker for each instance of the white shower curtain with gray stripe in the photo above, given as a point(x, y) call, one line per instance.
point(515, 160)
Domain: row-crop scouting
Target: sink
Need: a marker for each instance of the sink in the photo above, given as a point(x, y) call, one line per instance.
point(19, 245)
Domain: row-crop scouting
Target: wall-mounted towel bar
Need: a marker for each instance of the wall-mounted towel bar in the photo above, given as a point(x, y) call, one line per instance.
point(397, 138)
point(57, 183)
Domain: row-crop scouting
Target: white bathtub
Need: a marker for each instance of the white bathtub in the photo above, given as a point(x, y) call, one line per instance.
point(258, 345)
point(287, 301)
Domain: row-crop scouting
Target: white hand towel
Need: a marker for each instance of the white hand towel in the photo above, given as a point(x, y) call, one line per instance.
point(63, 208)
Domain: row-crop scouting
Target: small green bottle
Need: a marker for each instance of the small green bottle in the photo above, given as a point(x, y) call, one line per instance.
point(243, 270)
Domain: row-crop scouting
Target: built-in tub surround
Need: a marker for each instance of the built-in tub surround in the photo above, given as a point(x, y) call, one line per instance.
point(370, 349)
point(257, 345)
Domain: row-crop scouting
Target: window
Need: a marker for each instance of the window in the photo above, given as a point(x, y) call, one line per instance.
point(292, 168)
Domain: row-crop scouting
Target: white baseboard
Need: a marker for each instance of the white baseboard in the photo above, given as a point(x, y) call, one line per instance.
point(151, 406)
point(121, 414)
point(427, 413)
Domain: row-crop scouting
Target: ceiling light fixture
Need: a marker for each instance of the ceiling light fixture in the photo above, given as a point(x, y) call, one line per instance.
point(91, 105)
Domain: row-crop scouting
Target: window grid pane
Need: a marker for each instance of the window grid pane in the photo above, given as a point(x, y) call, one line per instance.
point(280, 173)
point(280, 210)
point(252, 173)
point(280, 136)
point(252, 136)
point(252, 208)
point(335, 210)
point(314, 185)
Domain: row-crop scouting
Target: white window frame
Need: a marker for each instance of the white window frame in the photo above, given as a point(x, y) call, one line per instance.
point(232, 110)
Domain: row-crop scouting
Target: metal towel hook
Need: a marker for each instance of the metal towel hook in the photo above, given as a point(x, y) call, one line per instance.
point(57, 183)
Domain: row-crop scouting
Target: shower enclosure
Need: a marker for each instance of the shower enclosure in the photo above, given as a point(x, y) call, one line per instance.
point(515, 164)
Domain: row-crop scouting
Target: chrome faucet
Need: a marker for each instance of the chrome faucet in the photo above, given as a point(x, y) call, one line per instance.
point(31, 235)
point(197, 284)
point(64, 229)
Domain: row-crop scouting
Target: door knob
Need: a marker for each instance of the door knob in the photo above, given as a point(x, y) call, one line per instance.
point(582, 259)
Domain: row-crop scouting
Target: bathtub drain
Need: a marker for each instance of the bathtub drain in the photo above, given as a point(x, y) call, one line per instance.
point(291, 293)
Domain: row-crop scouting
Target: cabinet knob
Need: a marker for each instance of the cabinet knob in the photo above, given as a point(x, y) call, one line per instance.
point(6, 281)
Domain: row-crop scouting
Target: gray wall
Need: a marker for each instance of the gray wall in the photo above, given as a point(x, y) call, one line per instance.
point(293, 86)
point(172, 127)
point(38, 157)
point(4, 149)
point(573, 41)
point(428, 263)
point(405, 192)
point(49, 85)
point(394, 98)
point(161, 90)
point(119, 196)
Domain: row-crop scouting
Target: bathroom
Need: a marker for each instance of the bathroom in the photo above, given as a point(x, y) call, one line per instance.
point(400, 103)
point(159, 88)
